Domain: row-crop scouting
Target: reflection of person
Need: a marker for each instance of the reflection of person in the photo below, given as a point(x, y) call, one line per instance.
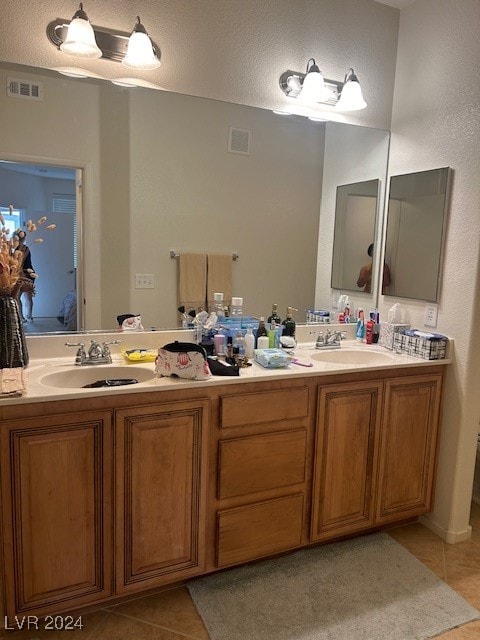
point(365, 275)
point(28, 287)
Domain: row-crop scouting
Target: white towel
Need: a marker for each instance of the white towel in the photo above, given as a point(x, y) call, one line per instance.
point(13, 381)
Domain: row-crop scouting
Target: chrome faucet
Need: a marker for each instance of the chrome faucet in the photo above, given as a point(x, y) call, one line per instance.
point(97, 354)
point(329, 340)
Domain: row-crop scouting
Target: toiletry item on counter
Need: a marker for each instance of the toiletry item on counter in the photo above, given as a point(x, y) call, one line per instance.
point(219, 342)
point(261, 331)
point(274, 317)
point(249, 341)
point(272, 358)
point(289, 323)
point(372, 328)
point(287, 342)
point(388, 331)
point(369, 327)
point(272, 336)
point(421, 344)
point(236, 308)
point(263, 342)
point(239, 342)
point(360, 331)
point(218, 307)
point(395, 314)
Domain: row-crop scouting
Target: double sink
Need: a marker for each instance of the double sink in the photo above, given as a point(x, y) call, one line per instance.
point(76, 377)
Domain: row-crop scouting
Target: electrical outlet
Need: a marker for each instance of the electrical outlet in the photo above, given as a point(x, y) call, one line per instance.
point(431, 313)
point(144, 281)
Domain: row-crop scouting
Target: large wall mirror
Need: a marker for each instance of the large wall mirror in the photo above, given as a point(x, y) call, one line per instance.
point(155, 173)
point(416, 223)
point(355, 216)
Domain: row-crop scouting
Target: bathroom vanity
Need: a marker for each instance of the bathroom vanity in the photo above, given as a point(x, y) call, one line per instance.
point(108, 493)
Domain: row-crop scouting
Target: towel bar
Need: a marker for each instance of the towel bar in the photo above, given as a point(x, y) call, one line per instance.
point(176, 254)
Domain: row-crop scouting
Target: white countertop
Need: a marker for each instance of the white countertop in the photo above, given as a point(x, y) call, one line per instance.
point(39, 391)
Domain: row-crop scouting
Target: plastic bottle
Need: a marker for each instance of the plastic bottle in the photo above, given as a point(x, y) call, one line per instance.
point(289, 323)
point(218, 305)
point(263, 342)
point(272, 335)
point(219, 341)
point(236, 308)
point(274, 317)
point(360, 331)
point(239, 341)
point(369, 327)
point(249, 342)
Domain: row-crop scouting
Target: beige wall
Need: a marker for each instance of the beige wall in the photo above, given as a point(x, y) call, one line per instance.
point(227, 50)
point(189, 194)
point(436, 123)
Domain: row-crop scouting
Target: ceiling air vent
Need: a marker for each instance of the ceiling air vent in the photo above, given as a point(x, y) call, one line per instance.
point(24, 89)
point(239, 141)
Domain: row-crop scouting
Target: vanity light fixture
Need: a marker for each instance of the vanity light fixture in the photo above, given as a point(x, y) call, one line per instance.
point(311, 88)
point(314, 88)
point(136, 50)
point(140, 52)
point(351, 97)
point(80, 40)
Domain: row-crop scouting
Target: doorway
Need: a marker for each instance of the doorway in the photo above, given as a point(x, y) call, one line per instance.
point(37, 190)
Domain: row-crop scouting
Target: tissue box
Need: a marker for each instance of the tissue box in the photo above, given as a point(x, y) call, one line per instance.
point(429, 346)
point(388, 331)
point(271, 358)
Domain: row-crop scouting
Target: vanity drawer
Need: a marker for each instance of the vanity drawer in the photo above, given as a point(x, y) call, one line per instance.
point(258, 463)
point(268, 406)
point(258, 530)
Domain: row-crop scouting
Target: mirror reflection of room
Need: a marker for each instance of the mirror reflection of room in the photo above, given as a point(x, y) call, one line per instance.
point(415, 231)
point(36, 191)
point(355, 218)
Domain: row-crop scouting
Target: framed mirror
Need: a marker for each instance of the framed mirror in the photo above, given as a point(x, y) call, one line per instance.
point(356, 208)
point(416, 224)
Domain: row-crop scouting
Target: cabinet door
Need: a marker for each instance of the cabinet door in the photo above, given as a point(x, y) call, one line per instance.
point(56, 507)
point(345, 458)
point(408, 447)
point(161, 471)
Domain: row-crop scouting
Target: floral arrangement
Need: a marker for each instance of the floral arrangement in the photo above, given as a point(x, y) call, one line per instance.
point(12, 277)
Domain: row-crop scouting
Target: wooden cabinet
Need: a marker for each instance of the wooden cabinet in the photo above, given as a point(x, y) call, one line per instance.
point(56, 510)
point(115, 495)
point(261, 474)
point(408, 445)
point(345, 458)
point(160, 493)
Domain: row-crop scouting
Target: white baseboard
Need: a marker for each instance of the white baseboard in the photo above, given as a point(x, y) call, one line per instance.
point(452, 537)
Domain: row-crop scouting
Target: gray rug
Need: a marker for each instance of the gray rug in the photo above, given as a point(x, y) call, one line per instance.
point(368, 588)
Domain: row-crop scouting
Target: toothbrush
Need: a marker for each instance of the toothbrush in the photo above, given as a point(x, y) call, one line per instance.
point(301, 364)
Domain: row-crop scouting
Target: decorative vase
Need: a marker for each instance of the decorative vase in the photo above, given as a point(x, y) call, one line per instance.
point(13, 346)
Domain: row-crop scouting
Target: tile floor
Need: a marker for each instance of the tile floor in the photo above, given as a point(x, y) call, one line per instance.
point(171, 615)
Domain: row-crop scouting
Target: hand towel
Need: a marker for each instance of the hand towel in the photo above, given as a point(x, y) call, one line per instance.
point(192, 280)
point(12, 381)
point(219, 277)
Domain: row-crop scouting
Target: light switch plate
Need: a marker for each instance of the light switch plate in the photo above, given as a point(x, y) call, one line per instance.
point(431, 314)
point(144, 281)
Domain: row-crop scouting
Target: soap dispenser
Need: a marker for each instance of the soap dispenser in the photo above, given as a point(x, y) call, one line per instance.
point(289, 323)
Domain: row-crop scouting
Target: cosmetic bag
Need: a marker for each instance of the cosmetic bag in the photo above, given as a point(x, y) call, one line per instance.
point(182, 360)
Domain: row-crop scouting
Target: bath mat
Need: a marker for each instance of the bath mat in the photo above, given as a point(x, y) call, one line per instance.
point(368, 588)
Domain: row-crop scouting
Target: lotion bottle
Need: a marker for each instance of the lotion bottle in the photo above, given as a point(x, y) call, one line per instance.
point(360, 331)
point(249, 343)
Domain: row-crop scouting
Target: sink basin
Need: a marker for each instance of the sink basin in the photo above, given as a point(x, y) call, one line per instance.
point(77, 378)
point(345, 356)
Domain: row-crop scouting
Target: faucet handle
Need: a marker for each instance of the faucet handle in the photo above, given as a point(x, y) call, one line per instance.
point(81, 355)
point(112, 342)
